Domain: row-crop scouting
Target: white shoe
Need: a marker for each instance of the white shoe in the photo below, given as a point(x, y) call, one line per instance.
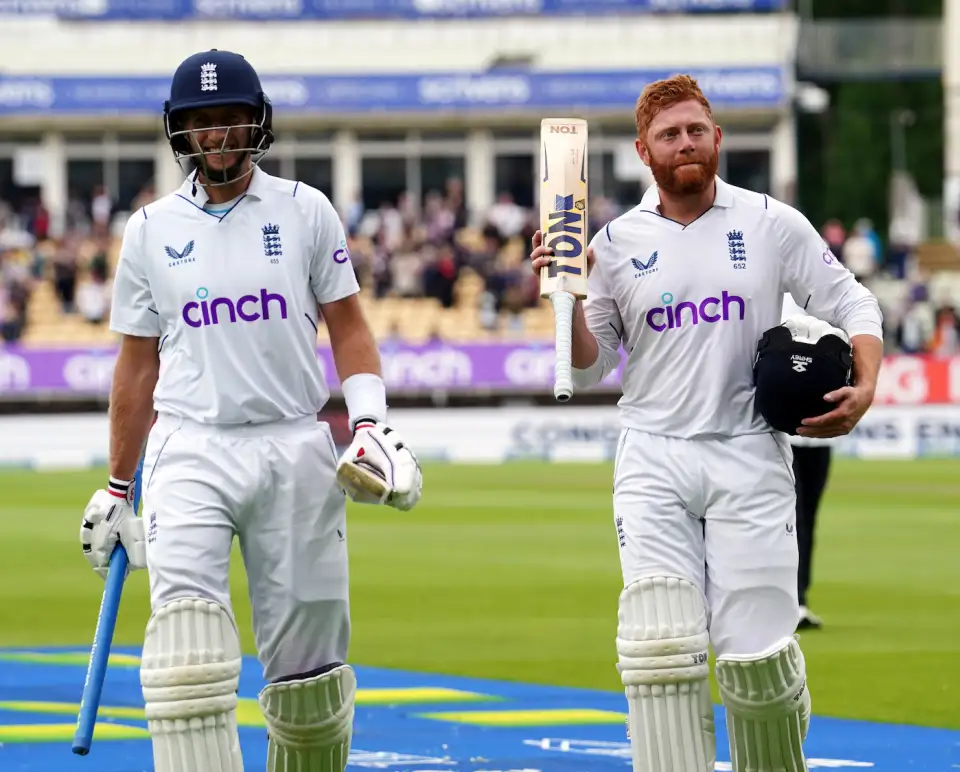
point(809, 620)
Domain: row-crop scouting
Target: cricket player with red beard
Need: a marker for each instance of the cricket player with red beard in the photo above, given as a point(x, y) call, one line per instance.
point(704, 503)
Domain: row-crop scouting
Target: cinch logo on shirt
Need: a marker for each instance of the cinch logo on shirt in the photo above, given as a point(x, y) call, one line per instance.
point(249, 308)
point(709, 310)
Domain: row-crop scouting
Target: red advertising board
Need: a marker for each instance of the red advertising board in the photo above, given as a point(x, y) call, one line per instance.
point(919, 380)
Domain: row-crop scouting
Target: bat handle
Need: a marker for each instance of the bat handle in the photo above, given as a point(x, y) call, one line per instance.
point(563, 303)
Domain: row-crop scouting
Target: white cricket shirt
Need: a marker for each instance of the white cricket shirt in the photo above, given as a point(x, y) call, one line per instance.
point(790, 308)
point(233, 298)
point(691, 303)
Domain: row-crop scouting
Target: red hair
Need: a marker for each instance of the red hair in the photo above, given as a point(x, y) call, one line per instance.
point(662, 94)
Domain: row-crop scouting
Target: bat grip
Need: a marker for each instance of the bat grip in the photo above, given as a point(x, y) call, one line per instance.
point(563, 304)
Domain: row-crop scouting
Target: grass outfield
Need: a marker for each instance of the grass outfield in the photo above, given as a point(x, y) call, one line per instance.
point(512, 573)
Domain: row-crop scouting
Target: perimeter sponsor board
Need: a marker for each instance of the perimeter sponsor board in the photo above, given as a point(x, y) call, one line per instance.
point(728, 88)
point(496, 435)
point(503, 367)
point(345, 10)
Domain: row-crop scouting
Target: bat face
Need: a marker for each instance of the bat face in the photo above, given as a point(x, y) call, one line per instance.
point(563, 204)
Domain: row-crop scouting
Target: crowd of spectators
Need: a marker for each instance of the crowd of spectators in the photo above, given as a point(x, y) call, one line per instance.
point(916, 322)
point(75, 265)
point(404, 250)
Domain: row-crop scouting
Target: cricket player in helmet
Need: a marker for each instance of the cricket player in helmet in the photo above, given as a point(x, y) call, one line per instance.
point(218, 87)
point(219, 290)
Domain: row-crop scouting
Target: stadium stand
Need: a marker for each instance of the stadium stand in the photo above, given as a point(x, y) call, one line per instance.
point(428, 275)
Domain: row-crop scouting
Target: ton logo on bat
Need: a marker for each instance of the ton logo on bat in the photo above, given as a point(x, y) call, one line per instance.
point(565, 234)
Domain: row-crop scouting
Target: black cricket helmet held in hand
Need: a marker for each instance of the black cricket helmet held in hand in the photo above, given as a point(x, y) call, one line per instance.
point(798, 362)
point(206, 81)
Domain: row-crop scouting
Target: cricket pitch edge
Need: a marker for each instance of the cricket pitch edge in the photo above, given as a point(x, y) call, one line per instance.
point(405, 722)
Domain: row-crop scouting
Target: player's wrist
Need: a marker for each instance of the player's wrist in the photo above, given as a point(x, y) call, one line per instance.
point(362, 423)
point(118, 487)
point(366, 398)
point(863, 383)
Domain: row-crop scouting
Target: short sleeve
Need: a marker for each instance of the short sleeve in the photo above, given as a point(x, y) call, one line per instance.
point(331, 273)
point(133, 310)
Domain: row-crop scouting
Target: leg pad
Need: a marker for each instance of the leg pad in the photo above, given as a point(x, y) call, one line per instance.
point(310, 721)
point(663, 644)
point(768, 708)
point(189, 673)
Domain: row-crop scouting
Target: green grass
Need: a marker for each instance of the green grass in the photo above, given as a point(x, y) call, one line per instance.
point(512, 573)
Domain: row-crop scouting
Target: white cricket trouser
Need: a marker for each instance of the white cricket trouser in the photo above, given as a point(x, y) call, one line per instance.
point(273, 486)
point(720, 513)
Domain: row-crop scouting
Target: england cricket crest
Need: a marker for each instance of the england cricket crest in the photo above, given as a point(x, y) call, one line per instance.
point(271, 240)
point(738, 251)
point(208, 77)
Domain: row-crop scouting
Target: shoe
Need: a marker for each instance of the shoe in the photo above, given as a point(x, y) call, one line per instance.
point(809, 620)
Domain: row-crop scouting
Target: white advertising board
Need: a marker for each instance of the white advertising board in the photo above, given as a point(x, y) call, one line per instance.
point(496, 435)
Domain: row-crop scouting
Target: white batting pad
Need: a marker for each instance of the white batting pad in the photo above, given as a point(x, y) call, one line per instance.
point(768, 708)
point(189, 674)
point(662, 643)
point(310, 722)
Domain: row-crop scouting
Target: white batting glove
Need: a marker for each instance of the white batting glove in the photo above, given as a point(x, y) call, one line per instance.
point(380, 468)
point(809, 329)
point(108, 518)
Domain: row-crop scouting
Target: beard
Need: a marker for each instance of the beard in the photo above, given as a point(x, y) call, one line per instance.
point(692, 176)
point(225, 173)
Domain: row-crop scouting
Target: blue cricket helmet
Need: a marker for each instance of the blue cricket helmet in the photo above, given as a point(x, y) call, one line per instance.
point(216, 79)
point(797, 363)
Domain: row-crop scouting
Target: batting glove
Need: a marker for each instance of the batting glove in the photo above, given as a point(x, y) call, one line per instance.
point(380, 468)
point(107, 519)
point(808, 329)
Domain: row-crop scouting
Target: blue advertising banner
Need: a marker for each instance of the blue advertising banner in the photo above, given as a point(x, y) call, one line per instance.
point(725, 87)
point(109, 10)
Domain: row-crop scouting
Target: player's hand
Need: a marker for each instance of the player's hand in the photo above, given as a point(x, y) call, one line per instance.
point(380, 468)
point(852, 402)
point(106, 520)
point(541, 255)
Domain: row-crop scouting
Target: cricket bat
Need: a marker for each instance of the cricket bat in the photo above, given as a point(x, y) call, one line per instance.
point(563, 223)
point(103, 636)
